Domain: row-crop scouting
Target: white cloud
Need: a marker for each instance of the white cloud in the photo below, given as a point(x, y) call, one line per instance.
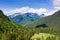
point(24, 10)
point(56, 4)
point(50, 12)
point(57, 8)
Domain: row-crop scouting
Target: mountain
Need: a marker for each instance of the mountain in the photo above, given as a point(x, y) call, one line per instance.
point(25, 18)
point(5, 23)
point(52, 21)
point(10, 30)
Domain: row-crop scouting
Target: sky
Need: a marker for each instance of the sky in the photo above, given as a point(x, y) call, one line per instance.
point(34, 6)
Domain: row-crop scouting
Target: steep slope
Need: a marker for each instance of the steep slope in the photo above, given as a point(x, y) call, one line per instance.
point(9, 30)
point(51, 21)
point(12, 31)
point(5, 23)
point(25, 18)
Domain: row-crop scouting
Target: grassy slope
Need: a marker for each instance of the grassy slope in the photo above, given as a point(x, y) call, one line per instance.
point(5, 22)
point(9, 30)
point(53, 23)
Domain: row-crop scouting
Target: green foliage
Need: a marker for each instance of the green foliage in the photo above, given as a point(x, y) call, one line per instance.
point(44, 36)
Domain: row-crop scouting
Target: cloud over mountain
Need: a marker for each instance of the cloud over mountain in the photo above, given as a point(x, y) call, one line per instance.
point(24, 10)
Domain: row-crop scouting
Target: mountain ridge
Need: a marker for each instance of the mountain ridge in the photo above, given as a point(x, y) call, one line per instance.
point(26, 18)
point(50, 21)
point(6, 23)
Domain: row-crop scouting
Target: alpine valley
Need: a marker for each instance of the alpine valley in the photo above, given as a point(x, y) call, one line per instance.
point(24, 19)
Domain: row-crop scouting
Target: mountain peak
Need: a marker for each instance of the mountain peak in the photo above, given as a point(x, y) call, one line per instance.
point(1, 13)
point(57, 13)
point(2, 16)
point(52, 21)
point(0, 10)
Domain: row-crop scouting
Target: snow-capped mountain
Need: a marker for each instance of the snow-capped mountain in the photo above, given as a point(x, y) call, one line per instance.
point(25, 18)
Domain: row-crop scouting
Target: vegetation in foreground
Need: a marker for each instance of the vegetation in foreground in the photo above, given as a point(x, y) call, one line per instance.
point(44, 36)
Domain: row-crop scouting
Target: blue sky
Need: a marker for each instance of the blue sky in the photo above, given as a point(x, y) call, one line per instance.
point(9, 5)
point(12, 4)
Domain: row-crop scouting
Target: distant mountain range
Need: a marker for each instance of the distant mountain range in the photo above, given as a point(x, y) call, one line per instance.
point(52, 21)
point(25, 18)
